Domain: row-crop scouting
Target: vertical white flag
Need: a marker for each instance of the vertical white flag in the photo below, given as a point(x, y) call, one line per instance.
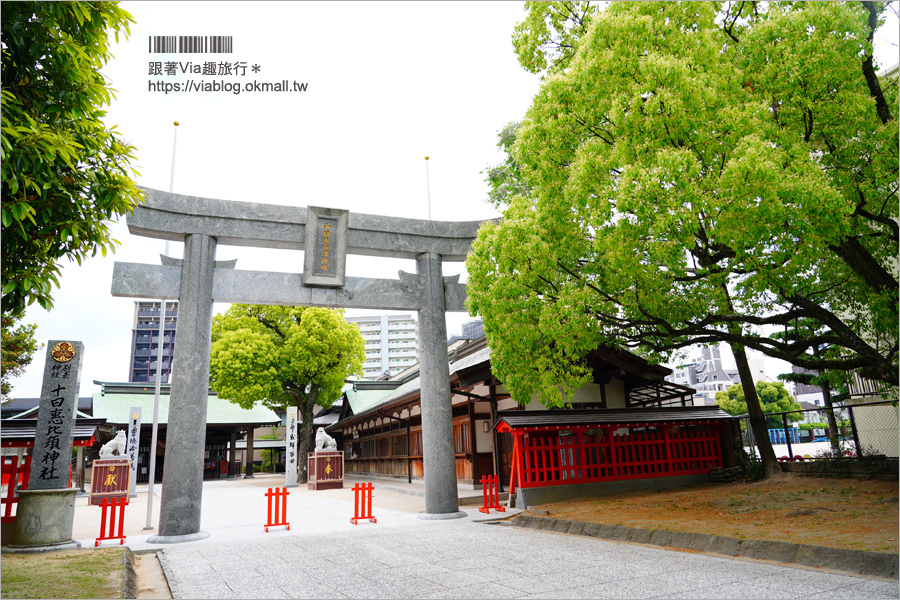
point(290, 448)
point(132, 445)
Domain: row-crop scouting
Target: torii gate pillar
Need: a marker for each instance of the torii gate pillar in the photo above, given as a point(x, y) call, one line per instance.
point(183, 477)
point(441, 494)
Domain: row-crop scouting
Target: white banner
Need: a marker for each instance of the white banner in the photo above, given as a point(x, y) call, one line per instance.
point(132, 445)
point(290, 448)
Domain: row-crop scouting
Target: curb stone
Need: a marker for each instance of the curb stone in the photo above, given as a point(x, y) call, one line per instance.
point(702, 542)
point(170, 576)
point(725, 545)
point(661, 538)
point(682, 540)
point(576, 528)
point(640, 536)
point(855, 562)
point(129, 584)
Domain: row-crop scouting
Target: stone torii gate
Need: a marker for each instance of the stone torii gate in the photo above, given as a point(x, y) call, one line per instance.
point(326, 236)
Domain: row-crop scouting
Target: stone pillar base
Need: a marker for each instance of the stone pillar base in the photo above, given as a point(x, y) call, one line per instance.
point(44, 519)
point(177, 539)
point(13, 549)
point(443, 516)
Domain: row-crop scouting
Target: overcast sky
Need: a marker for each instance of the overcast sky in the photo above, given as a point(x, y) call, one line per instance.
point(387, 83)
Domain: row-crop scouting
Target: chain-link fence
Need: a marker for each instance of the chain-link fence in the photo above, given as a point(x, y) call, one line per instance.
point(869, 429)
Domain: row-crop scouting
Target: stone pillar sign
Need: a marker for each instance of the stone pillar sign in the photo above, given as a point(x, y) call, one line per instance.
point(46, 509)
point(290, 448)
point(53, 436)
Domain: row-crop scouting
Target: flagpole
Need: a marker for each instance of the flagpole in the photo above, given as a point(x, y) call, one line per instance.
point(159, 357)
point(428, 188)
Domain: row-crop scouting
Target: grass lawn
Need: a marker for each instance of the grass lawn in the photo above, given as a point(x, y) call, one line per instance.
point(94, 573)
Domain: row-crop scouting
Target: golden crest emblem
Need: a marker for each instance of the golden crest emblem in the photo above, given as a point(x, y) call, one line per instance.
point(63, 352)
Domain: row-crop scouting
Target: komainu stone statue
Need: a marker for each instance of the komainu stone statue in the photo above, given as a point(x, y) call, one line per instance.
point(324, 442)
point(114, 446)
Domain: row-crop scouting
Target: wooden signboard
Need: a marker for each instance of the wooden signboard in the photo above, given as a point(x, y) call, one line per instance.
point(109, 479)
point(326, 470)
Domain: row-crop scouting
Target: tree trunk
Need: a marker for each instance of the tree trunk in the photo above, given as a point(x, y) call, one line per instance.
point(833, 432)
point(757, 417)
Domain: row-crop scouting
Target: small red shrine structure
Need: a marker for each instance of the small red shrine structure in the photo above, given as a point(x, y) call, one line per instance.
point(15, 471)
point(584, 448)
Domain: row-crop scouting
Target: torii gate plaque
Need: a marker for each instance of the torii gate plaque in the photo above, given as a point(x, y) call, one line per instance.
point(198, 280)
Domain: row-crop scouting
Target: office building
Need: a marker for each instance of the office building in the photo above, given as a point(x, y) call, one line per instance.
point(145, 341)
point(391, 343)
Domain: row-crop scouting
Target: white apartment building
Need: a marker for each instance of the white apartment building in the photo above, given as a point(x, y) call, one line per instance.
point(707, 375)
point(391, 343)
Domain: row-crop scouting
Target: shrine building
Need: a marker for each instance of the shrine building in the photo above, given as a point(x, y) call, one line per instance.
point(628, 428)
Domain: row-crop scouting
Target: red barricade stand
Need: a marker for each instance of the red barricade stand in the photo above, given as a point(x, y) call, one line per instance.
point(280, 515)
point(15, 474)
point(109, 505)
point(362, 503)
point(490, 486)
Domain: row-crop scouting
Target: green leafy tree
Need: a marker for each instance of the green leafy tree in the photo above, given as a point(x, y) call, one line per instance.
point(548, 37)
point(773, 396)
point(699, 172)
point(17, 350)
point(284, 356)
point(64, 172)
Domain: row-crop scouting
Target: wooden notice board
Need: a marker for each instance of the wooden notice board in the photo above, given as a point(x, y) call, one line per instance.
point(109, 479)
point(326, 470)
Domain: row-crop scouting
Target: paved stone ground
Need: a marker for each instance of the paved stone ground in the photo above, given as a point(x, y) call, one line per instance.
point(463, 559)
point(402, 556)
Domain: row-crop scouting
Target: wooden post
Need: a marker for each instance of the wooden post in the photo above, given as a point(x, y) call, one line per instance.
point(408, 447)
point(473, 447)
point(248, 471)
point(232, 458)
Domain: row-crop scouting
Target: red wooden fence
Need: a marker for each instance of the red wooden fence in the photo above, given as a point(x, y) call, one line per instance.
point(109, 506)
point(14, 473)
point(362, 503)
point(278, 502)
point(584, 455)
point(490, 485)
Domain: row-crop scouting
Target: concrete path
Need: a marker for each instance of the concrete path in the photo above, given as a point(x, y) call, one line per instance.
point(401, 556)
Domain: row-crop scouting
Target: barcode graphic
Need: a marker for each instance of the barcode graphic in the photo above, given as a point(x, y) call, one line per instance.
point(190, 44)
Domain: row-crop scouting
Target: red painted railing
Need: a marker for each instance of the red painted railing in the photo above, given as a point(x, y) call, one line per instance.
point(13, 473)
point(109, 506)
point(280, 508)
point(586, 455)
point(362, 503)
point(490, 485)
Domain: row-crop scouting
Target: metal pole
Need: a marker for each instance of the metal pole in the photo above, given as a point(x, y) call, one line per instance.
point(428, 188)
point(155, 430)
point(787, 436)
point(159, 357)
point(854, 432)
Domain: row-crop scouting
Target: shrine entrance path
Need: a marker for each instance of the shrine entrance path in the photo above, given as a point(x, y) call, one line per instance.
point(402, 556)
point(236, 509)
